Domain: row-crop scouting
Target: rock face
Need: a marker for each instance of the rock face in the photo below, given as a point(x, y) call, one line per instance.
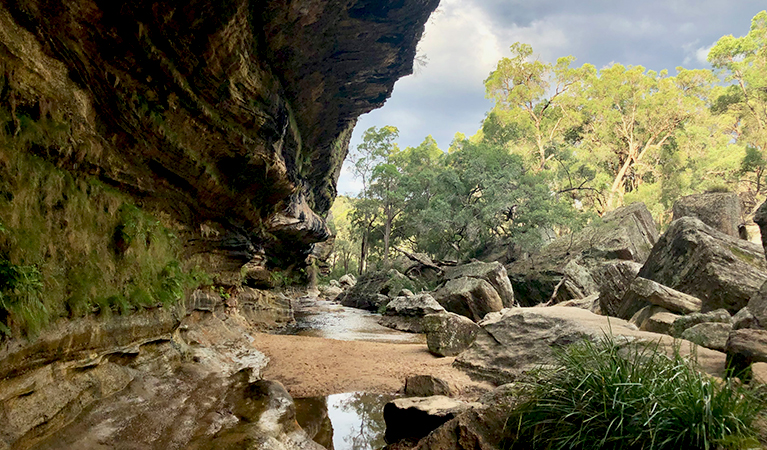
point(494, 273)
point(129, 385)
point(469, 297)
point(520, 339)
point(407, 313)
point(565, 268)
point(719, 210)
point(722, 271)
point(449, 334)
point(229, 119)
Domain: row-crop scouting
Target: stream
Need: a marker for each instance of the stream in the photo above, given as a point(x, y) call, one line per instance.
point(352, 420)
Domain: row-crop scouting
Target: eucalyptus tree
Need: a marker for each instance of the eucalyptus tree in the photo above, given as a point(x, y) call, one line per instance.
point(630, 113)
point(742, 101)
point(531, 109)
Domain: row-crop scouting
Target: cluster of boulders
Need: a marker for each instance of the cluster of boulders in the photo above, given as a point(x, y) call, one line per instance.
point(699, 283)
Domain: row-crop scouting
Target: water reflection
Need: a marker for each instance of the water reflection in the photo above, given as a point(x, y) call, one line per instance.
point(329, 320)
point(356, 420)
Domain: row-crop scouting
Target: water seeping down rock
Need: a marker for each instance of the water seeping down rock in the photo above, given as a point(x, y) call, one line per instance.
point(230, 117)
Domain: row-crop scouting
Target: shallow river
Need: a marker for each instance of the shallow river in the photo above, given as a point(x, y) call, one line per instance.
point(347, 421)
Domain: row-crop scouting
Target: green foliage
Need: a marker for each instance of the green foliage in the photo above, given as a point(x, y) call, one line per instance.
point(20, 297)
point(631, 396)
point(73, 246)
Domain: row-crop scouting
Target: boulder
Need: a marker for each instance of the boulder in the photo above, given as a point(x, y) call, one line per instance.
point(481, 428)
point(448, 334)
point(517, 340)
point(722, 271)
point(563, 269)
point(745, 347)
point(643, 292)
point(719, 210)
point(659, 322)
point(711, 335)
point(407, 313)
point(334, 283)
point(469, 297)
point(641, 316)
point(415, 417)
point(330, 292)
point(613, 279)
point(373, 289)
point(426, 386)
point(682, 323)
point(415, 306)
point(347, 280)
point(493, 272)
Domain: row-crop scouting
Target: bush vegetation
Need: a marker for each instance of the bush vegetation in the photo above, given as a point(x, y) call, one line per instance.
point(611, 396)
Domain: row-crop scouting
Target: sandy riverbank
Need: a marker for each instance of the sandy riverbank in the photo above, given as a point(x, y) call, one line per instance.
point(312, 366)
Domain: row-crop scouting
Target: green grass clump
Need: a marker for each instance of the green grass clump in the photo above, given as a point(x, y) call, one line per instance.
point(608, 396)
point(70, 245)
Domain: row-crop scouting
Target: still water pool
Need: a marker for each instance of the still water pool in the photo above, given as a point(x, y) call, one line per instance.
point(351, 421)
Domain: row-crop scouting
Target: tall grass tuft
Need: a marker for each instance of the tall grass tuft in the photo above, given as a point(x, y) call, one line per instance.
point(605, 395)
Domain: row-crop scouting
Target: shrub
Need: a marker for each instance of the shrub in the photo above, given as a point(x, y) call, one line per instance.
point(634, 396)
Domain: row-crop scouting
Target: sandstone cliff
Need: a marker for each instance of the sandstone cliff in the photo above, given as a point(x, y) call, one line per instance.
point(225, 123)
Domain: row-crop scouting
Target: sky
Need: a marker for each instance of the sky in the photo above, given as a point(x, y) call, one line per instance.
point(464, 39)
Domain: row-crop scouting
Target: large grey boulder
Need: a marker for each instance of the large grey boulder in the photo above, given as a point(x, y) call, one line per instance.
point(448, 334)
point(719, 210)
point(415, 417)
point(493, 272)
point(517, 340)
point(563, 270)
point(722, 271)
point(407, 313)
point(643, 292)
point(469, 297)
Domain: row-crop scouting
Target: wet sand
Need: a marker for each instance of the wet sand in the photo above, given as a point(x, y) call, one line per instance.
point(338, 349)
